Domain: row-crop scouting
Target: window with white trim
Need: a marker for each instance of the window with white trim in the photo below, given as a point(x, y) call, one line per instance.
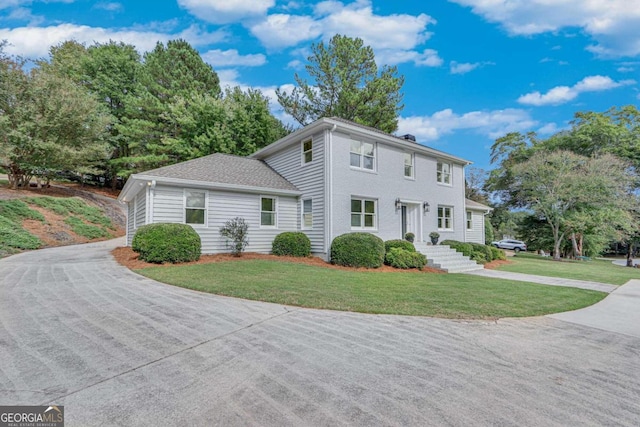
point(363, 213)
point(268, 212)
point(307, 151)
point(195, 210)
point(444, 173)
point(307, 214)
point(363, 155)
point(445, 218)
point(408, 165)
point(469, 220)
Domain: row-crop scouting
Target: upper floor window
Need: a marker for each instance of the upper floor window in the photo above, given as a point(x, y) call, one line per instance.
point(195, 207)
point(268, 212)
point(445, 218)
point(469, 220)
point(408, 165)
point(363, 213)
point(307, 214)
point(363, 155)
point(307, 151)
point(444, 173)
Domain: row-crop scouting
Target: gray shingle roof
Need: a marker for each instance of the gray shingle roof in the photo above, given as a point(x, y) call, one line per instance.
point(225, 169)
point(475, 205)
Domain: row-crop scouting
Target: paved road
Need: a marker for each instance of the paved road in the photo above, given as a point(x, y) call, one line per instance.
point(119, 349)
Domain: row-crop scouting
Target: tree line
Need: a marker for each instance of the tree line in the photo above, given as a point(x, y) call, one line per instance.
point(107, 110)
point(574, 192)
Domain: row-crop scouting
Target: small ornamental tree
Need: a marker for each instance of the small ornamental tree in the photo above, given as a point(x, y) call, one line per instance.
point(236, 230)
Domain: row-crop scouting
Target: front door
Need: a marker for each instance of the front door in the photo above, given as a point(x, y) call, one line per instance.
point(411, 220)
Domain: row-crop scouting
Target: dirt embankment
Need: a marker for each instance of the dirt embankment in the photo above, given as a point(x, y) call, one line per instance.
point(54, 231)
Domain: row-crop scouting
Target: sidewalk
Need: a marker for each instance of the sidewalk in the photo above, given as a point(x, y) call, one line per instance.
point(544, 280)
point(619, 312)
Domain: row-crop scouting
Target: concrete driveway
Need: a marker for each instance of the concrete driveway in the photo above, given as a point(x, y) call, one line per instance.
point(118, 349)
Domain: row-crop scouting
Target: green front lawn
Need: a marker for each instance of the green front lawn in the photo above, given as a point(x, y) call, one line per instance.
point(594, 270)
point(421, 294)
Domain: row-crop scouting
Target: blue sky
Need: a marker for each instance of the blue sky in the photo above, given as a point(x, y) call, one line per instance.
point(474, 69)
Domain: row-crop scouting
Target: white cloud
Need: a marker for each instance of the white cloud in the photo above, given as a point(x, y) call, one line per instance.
point(281, 30)
point(625, 69)
point(548, 129)
point(33, 42)
point(231, 57)
point(466, 67)
point(428, 57)
point(490, 123)
point(394, 38)
point(397, 31)
point(563, 94)
point(612, 23)
point(109, 6)
point(226, 11)
point(296, 64)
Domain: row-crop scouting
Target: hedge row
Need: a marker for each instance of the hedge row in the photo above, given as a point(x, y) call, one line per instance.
point(476, 251)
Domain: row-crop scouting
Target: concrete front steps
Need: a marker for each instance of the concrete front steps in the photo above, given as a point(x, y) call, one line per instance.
point(444, 258)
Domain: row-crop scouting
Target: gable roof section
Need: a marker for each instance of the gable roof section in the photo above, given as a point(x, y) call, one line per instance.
point(216, 171)
point(346, 126)
point(471, 204)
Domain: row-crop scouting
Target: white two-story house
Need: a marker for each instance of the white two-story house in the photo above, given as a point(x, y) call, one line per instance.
point(326, 179)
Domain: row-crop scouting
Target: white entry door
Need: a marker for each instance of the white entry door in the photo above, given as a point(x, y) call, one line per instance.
point(411, 220)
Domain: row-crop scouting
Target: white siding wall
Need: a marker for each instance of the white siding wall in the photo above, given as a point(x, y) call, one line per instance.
point(223, 206)
point(476, 235)
point(136, 214)
point(387, 183)
point(130, 231)
point(309, 179)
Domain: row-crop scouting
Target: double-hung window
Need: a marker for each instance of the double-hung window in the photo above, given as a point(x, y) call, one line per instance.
point(469, 220)
point(195, 211)
point(307, 214)
point(363, 213)
point(268, 212)
point(444, 173)
point(307, 151)
point(445, 218)
point(363, 155)
point(408, 165)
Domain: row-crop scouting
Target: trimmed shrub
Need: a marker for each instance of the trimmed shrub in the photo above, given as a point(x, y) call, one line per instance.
point(400, 258)
point(478, 256)
point(476, 251)
point(409, 237)
point(397, 243)
point(463, 247)
point(497, 254)
point(160, 243)
point(291, 243)
point(357, 250)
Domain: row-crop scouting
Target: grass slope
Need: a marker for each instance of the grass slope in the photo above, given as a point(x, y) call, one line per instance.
point(594, 270)
point(438, 295)
point(83, 219)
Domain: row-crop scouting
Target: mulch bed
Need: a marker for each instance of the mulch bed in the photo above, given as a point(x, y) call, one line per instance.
point(128, 258)
point(497, 263)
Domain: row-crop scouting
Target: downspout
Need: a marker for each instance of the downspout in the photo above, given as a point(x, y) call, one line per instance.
point(328, 191)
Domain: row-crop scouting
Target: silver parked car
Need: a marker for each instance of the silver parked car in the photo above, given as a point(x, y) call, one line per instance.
point(515, 245)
